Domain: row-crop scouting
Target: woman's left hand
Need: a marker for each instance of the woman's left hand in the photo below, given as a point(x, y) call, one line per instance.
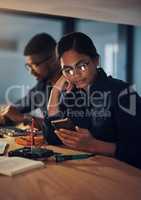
point(81, 139)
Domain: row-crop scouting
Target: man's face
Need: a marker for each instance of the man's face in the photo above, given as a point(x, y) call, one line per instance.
point(41, 66)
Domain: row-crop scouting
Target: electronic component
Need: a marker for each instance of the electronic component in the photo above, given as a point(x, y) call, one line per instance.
point(33, 153)
point(12, 131)
point(61, 158)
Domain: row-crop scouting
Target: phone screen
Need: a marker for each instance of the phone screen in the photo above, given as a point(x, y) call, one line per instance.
point(63, 123)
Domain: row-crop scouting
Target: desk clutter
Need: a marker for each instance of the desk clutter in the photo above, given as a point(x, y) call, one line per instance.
point(23, 137)
point(32, 153)
point(20, 160)
point(25, 158)
point(27, 140)
point(16, 165)
point(11, 131)
point(3, 146)
point(15, 132)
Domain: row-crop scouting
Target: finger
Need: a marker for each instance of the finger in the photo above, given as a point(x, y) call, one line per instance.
point(81, 130)
point(66, 136)
point(69, 87)
point(60, 137)
point(70, 144)
point(75, 134)
point(71, 134)
point(68, 131)
point(67, 142)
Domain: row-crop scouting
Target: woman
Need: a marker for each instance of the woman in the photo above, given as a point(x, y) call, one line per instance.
point(96, 103)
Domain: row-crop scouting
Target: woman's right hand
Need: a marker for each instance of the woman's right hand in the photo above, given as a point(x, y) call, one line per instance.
point(62, 84)
point(53, 103)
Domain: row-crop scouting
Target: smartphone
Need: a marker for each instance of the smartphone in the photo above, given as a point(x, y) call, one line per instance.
point(28, 152)
point(65, 123)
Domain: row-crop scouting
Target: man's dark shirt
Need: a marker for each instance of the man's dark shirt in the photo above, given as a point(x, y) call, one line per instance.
point(37, 97)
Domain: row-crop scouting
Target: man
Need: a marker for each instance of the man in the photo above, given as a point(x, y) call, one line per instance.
point(42, 63)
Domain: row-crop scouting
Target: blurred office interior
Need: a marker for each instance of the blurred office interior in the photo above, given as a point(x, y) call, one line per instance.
point(119, 46)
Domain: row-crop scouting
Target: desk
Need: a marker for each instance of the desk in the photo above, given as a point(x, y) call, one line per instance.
point(97, 178)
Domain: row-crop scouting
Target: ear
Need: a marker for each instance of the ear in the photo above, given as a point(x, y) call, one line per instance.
point(96, 61)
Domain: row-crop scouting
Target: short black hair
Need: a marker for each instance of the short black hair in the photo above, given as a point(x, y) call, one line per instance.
point(79, 42)
point(40, 43)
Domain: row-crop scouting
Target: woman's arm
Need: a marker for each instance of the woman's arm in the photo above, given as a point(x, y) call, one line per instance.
point(81, 139)
point(54, 99)
point(53, 103)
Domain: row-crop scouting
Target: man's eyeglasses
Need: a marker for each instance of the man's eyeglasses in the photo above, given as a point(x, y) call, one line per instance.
point(37, 65)
point(78, 67)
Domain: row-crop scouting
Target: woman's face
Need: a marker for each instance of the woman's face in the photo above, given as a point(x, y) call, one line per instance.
point(78, 68)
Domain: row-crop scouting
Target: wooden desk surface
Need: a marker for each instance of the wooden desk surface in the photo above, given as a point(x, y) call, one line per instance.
point(97, 178)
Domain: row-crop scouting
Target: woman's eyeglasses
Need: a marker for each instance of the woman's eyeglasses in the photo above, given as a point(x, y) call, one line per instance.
point(71, 70)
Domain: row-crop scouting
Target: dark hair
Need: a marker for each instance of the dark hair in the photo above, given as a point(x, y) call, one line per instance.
point(79, 42)
point(40, 43)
